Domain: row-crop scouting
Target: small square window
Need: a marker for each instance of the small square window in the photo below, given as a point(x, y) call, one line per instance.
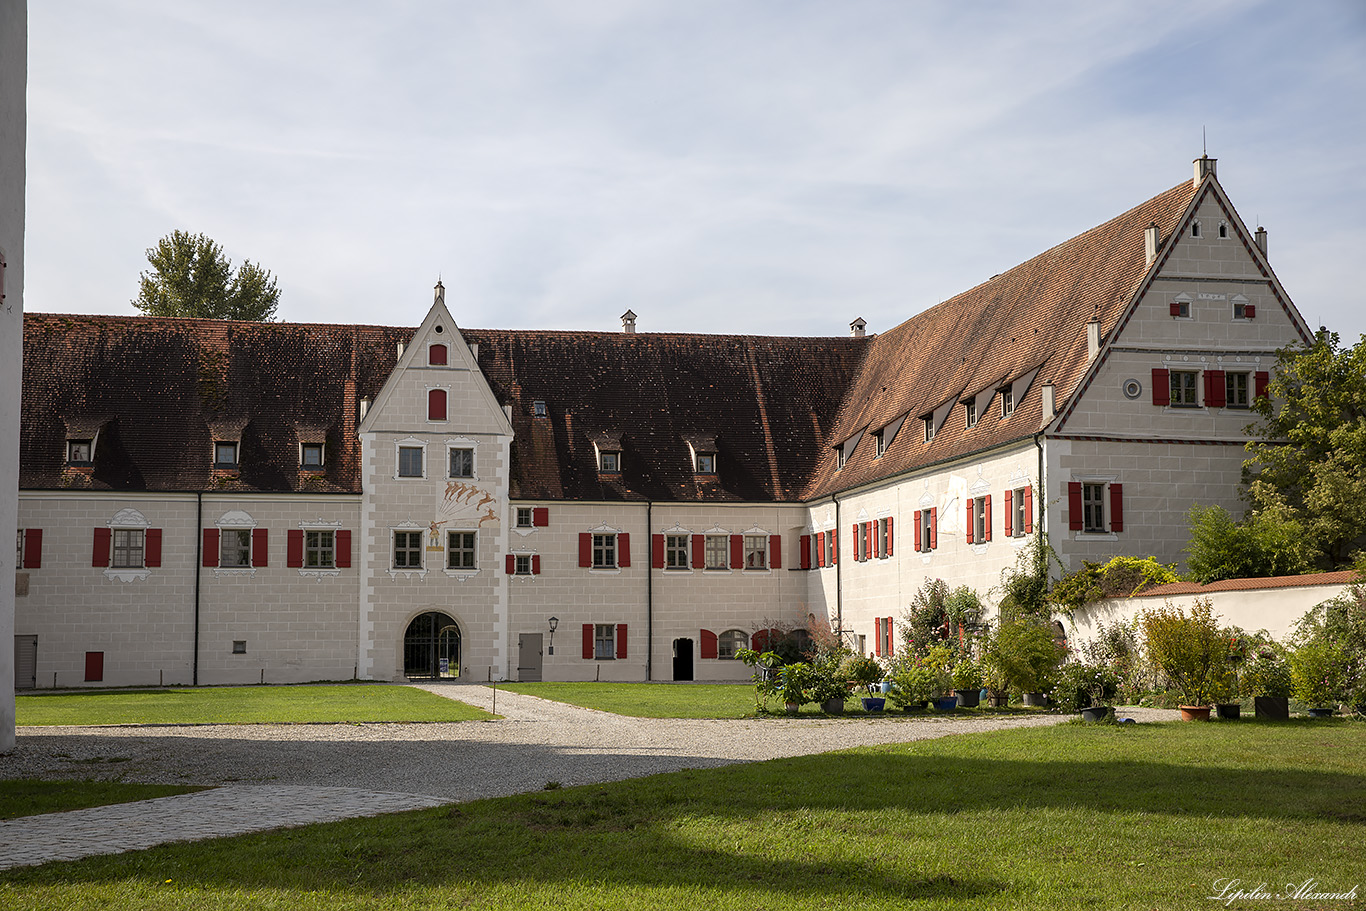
point(524, 517)
point(407, 550)
point(675, 551)
point(311, 456)
point(78, 452)
point(1181, 309)
point(234, 548)
point(609, 462)
point(538, 409)
point(706, 463)
point(521, 564)
point(462, 463)
point(460, 550)
point(604, 551)
point(410, 461)
point(319, 552)
point(756, 551)
point(604, 642)
point(239, 646)
point(224, 455)
point(718, 552)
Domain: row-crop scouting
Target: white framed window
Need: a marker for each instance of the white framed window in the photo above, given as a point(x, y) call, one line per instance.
point(411, 460)
point(604, 551)
point(1240, 310)
point(1195, 229)
point(928, 423)
point(970, 413)
point(1007, 401)
point(460, 550)
point(675, 551)
point(1093, 507)
point(521, 564)
point(609, 462)
point(1181, 309)
point(718, 551)
point(1223, 230)
point(234, 548)
point(1020, 507)
point(730, 642)
point(980, 520)
point(756, 551)
point(311, 455)
point(1237, 390)
point(925, 518)
point(1184, 388)
point(830, 548)
point(883, 530)
point(461, 462)
point(706, 463)
point(604, 641)
point(407, 550)
point(224, 455)
point(539, 409)
point(879, 444)
point(128, 550)
point(320, 551)
point(79, 452)
point(841, 456)
point(524, 517)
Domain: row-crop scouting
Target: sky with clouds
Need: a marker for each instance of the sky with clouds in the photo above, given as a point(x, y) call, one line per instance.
point(749, 166)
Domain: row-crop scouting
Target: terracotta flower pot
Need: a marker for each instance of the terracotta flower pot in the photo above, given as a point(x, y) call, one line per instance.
point(1195, 713)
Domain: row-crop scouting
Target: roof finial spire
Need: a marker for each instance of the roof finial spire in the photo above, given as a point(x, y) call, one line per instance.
point(439, 292)
point(1204, 144)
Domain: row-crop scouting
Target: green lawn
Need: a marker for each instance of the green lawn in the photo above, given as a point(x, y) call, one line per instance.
point(337, 703)
point(1101, 816)
point(26, 797)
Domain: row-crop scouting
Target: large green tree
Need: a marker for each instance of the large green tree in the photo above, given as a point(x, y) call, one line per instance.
point(191, 277)
point(1308, 458)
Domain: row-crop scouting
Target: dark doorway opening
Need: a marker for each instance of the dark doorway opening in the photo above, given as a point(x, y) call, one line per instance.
point(682, 659)
point(431, 646)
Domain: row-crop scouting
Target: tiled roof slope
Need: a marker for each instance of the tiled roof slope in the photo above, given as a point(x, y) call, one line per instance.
point(155, 387)
point(1032, 316)
point(767, 403)
point(1342, 577)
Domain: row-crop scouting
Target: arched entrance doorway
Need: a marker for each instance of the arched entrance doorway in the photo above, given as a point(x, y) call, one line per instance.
point(431, 646)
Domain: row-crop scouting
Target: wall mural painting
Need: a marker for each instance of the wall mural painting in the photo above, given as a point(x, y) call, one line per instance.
point(463, 506)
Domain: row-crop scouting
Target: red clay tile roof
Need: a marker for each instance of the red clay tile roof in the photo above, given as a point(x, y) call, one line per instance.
point(1033, 316)
point(1344, 577)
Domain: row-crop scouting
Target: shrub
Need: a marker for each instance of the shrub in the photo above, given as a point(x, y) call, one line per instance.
point(1342, 621)
point(967, 675)
point(1267, 674)
point(913, 684)
point(1119, 577)
point(1269, 542)
point(938, 615)
point(1024, 586)
point(1081, 685)
point(1026, 654)
point(1188, 648)
point(1317, 673)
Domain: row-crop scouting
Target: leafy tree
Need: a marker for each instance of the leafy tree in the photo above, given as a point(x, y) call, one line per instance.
point(190, 277)
point(1269, 542)
point(1308, 461)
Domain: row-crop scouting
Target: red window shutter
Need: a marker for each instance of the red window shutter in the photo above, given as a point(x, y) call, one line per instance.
point(1162, 388)
point(854, 553)
point(510, 564)
point(969, 522)
point(342, 549)
point(775, 551)
point(699, 551)
point(535, 564)
point(877, 636)
point(585, 549)
point(260, 549)
point(540, 516)
point(657, 551)
point(737, 551)
point(1074, 522)
point(621, 640)
point(436, 404)
point(869, 541)
point(1116, 507)
point(891, 637)
point(804, 551)
point(33, 548)
point(1175, 308)
point(1214, 389)
point(986, 507)
point(1261, 380)
point(834, 547)
point(294, 547)
point(436, 355)
point(820, 548)
point(210, 547)
point(151, 547)
point(588, 641)
point(934, 527)
point(623, 550)
point(1250, 311)
point(1008, 523)
point(918, 543)
point(889, 536)
point(94, 667)
point(708, 644)
point(1029, 510)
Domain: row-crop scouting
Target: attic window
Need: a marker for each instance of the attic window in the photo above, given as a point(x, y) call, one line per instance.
point(1007, 401)
point(311, 455)
point(609, 462)
point(1181, 309)
point(879, 444)
point(841, 456)
point(436, 355)
point(538, 409)
point(78, 452)
point(224, 455)
point(970, 412)
point(1195, 229)
point(706, 463)
point(928, 421)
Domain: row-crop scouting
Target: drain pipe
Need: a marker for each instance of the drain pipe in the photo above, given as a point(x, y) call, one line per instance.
point(198, 572)
point(649, 590)
point(839, 569)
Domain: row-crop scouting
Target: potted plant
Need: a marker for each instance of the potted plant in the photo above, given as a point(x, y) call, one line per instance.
point(1317, 674)
point(967, 683)
point(830, 684)
point(1266, 678)
point(794, 684)
point(765, 675)
point(867, 673)
point(940, 660)
point(1190, 650)
point(1028, 655)
point(1228, 708)
point(912, 686)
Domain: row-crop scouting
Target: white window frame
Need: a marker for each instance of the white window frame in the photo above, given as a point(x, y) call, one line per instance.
point(129, 548)
point(1095, 517)
point(979, 519)
point(1230, 384)
point(755, 549)
point(609, 461)
point(970, 413)
point(926, 530)
point(880, 529)
point(409, 443)
point(928, 423)
point(730, 642)
point(879, 443)
point(676, 553)
point(709, 551)
point(451, 450)
point(407, 548)
point(241, 550)
point(605, 553)
point(71, 447)
point(226, 446)
point(704, 463)
point(521, 564)
point(525, 517)
point(1007, 401)
point(1020, 507)
point(1172, 389)
point(303, 456)
point(604, 640)
point(128, 520)
point(316, 547)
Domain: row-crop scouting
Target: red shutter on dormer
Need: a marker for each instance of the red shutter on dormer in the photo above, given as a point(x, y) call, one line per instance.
point(624, 550)
point(535, 564)
point(1116, 507)
point(540, 516)
point(621, 640)
point(1250, 311)
point(1008, 523)
point(657, 551)
point(260, 551)
point(1162, 389)
point(210, 547)
point(1261, 380)
point(918, 542)
point(1074, 520)
point(294, 547)
point(986, 507)
point(934, 527)
point(436, 404)
point(436, 355)
point(151, 548)
point(510, 564)
point(889, 536)
point(588, 641)
point(775, 551)
point(33, 548)
point(699, 551)
point(804, 551)
point(708, 649)
point(585, 549)
point(1029, 510)
point(737, 551)
point(1175, 308)
point(342, 550)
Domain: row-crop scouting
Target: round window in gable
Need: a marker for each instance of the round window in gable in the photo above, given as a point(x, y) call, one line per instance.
point(440, 329)
point(1132, 389)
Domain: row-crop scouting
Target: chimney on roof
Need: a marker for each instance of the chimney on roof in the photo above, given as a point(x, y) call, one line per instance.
point(857, 329)
point(439, 293)
point(364, 407)
point(1261, 239)
point(628, 322)
point(1092, 338)
point(1204, 167)
point(1050, 403)
point(401, 348)
point(1151, 239)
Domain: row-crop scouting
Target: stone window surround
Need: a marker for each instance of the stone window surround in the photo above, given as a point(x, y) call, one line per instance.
point(128, 519)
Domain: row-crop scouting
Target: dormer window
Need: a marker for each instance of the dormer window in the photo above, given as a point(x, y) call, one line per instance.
point(538, 409)
point(706, 463)
point(879, 444)
point(1007, 401)
point(78, 452)
point(437, 355)
point(609, 462)
point(1223, 230)
point(224, 455)
point(928, 421)
point(970, 412)
point(841, 456)
point(311, 455)
point(1195, 229)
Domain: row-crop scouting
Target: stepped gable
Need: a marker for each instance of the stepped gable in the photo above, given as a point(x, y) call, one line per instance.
point(1033, 316)
point(158, 390)
point(767, 403)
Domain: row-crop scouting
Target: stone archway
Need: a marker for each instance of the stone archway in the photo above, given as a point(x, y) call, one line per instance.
point(432, 641)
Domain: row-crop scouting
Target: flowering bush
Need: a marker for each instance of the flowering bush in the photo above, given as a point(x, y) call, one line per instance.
point(1267, 674)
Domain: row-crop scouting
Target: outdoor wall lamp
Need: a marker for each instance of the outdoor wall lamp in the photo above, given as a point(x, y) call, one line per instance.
point(554, 622)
